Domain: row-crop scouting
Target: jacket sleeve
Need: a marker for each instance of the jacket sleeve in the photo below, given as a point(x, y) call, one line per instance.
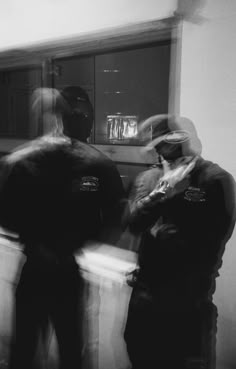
point(143, 210)
point(223, 210)
point(210, 233)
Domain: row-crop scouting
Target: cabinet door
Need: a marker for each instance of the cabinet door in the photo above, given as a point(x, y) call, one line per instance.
point(131, 85)
point(76, 71)
point(4, 118)
point(15, 92)
point(20, 122)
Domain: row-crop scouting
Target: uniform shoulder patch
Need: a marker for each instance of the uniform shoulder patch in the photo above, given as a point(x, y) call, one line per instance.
point(89, 183)
point(195, 194)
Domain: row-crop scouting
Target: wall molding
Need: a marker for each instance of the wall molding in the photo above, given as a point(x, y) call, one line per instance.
point(90, 42)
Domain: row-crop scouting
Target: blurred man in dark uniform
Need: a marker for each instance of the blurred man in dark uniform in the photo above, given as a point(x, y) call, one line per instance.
point(184, 208)
point(57, 193)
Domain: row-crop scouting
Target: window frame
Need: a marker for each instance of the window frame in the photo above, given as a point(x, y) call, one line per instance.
point(108, 40)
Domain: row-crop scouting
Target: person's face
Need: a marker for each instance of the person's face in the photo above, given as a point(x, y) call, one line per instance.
point(79, 123)
point(169, 152)
point(170, 146)
point(78, 126)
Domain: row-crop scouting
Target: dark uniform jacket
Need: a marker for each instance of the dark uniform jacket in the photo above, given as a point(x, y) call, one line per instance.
point(60, 193)
point(184, 236)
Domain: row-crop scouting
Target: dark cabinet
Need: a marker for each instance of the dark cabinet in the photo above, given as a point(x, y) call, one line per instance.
point(16, 87)
point(130, 86)
point(125, 87)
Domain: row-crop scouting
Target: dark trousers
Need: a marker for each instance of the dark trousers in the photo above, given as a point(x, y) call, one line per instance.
point(167, 338)
point(49, 293)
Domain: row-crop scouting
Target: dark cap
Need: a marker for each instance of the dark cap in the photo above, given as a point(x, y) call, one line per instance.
point(172, 132)
point(75, 94)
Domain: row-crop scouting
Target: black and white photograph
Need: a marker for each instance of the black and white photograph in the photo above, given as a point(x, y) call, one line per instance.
point(117, 184)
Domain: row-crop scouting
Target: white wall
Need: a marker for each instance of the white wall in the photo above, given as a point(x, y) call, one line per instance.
point(208, 97)
point(26, 21)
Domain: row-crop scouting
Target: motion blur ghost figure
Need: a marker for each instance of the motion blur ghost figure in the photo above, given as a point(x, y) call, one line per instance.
point(48, 104)
point(184, 209)
point(56, 193)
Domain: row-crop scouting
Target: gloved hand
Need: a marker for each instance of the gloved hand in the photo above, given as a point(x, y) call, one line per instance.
point(177, 174)
point(176, 179)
